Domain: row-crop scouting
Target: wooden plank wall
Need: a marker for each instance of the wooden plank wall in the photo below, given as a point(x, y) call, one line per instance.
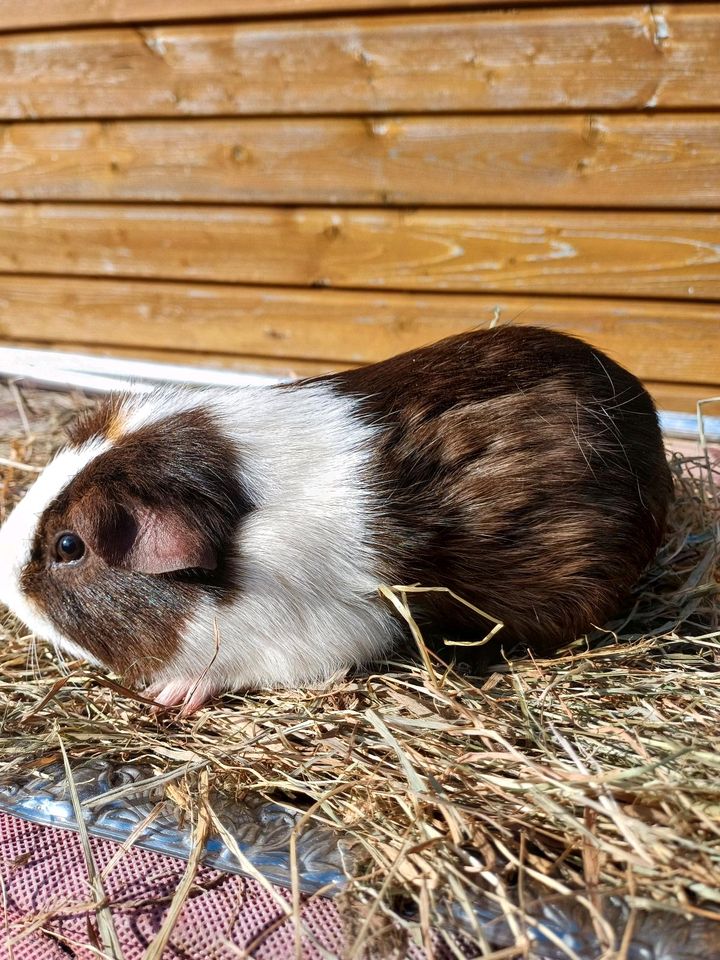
point(295, 184)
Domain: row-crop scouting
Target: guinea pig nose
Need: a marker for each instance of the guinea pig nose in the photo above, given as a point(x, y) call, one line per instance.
point(69, 547)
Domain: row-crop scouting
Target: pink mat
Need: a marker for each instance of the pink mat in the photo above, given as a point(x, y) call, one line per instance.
point(42, 866)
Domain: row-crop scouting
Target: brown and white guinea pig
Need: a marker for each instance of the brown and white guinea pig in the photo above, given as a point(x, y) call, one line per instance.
point(203, 541)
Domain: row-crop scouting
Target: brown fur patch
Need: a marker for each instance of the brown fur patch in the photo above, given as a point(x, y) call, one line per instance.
point(115, 427)
point(522, 469)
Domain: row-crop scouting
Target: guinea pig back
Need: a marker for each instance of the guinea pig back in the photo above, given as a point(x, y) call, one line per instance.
point(522, 469)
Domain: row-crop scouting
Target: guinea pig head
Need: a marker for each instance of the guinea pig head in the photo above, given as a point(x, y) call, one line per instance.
point(113, 548)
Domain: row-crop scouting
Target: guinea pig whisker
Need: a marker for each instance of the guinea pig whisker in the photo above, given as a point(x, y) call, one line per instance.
point(33, 660)
point(62, 664)
point(29, 667)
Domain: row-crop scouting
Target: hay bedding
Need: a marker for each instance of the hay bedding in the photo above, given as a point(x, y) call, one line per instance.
point(552, 808)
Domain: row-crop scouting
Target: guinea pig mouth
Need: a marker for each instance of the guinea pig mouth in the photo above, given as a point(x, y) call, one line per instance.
point(41, 626)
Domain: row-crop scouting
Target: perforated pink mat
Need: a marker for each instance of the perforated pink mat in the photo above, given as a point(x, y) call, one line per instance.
point(43, 867)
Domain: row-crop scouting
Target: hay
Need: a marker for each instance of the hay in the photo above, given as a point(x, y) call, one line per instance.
point(589, 783)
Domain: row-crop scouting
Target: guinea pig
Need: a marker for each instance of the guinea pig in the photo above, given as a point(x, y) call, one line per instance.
point(200, 541)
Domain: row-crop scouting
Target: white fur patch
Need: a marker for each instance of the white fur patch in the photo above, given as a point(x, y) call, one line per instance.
point(18, 533)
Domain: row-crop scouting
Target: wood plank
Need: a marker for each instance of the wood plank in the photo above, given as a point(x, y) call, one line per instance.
point(665, 160)
point(549, 59)
point(668, 396)
point(571, 252)
point(658, 341)
point(682, 397)
point(31, 14)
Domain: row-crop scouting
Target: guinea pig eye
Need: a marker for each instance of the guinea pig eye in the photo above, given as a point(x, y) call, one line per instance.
point(69, 547)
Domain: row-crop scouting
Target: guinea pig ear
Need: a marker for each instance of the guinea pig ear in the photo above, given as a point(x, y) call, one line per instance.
point(140, 538)
point(163, 542)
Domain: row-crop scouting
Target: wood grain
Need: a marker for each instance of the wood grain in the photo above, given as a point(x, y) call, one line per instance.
point(609, 254)
point(666, 160)
point(548, 59)
point(31, 14)
point(683, 397)
point(658, 341)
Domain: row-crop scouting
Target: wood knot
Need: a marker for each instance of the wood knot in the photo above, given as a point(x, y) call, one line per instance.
point(240, 154)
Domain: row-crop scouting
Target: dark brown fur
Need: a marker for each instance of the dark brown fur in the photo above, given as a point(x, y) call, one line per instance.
point(125, 619)
point(522, 469)
point(96, 423)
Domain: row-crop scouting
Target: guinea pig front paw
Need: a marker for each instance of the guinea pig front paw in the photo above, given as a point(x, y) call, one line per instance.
point(190, 695)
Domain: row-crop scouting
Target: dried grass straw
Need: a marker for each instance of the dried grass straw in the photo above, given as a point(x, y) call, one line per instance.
point(563, 780)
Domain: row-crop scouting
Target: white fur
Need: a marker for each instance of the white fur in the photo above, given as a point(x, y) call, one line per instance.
point(18, 533)
point(308, 606)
